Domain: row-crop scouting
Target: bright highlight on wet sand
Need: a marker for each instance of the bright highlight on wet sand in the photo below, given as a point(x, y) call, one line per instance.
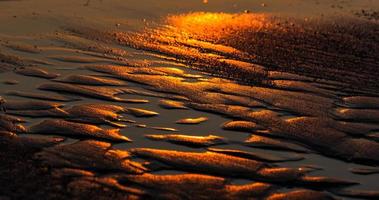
point(189, 99)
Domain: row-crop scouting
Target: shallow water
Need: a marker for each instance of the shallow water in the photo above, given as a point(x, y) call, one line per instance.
point(303, 72)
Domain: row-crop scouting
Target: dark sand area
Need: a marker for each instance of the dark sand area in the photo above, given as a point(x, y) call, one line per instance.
point(228, 99)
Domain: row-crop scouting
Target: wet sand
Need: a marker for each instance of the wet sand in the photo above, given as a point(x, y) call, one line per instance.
point(178, 100)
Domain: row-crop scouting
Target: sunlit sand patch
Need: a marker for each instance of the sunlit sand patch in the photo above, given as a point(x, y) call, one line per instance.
point(205, 161)
point(192, 120)
point(34, 142)
point(11, 124)
point(168, 104)
point(141, 125)
point(356, 129)
point(279, 75)
point(191, 38)
point(282, 109)
point(138, 112)
point(265, 142)
point(97, 114)
point(244, 126)
point(313, 167)
point(159, 128)
point(257, 156)
point(93, 183)
point(90, 91)
point(222, 164)
point(328, 183)
point(182, 185)
point(190, 53)
point(198, 23)
point(334, 141)
point(295, 101)
point(128, 177)
point(195, 141)
point(300, 194)
point(164, 129)
point(302, 87)
point(66, 128)
point(106, 106)
point(91, 155)
point(225, 27)
point(70, 172)
point(358, 115)
point(176, 72)
point(90, 80)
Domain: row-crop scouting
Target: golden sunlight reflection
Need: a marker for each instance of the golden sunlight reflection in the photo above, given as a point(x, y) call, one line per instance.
point(246, 45)
point(135, 100)
point(206, 41)
point(215, 26)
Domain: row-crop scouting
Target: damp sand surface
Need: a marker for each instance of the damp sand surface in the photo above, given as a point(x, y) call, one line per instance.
point(241, 99)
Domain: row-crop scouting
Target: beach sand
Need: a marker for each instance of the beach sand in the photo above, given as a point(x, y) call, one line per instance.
point(110, 99)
